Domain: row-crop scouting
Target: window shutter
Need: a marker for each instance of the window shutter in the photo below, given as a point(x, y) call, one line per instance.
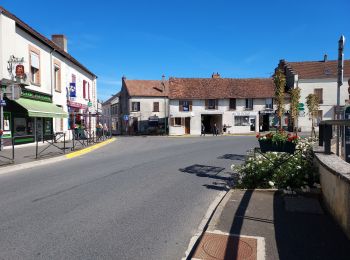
point(138, 106)
point(181, 108)
point(182, 121)
point(172, 121)
point(89, 91)
point(84, 90)
point(206, 103)
point(190, 103)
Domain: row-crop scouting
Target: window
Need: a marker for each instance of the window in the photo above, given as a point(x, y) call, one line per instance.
point(185, 105)
point(211, 103)
point(177, 121)
point(155, 106)
point(232, 103)
point(242, 121)
point(269, 103)
point(34, 60)
point(57, 76)
point(319, 93)
point(114, 109)
point(249, 104)
point(135, 106)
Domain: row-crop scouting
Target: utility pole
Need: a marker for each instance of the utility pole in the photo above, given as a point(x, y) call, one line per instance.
point(340, 83)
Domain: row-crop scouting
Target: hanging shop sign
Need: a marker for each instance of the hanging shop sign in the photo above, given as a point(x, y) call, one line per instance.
point(76, 105)
point(72, 90)
point(36, 96)
point(20, 71)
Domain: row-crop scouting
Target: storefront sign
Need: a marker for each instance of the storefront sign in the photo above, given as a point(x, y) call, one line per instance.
point(72, 90)
point(36, 96)
point(20, 71)
point(245, 113)
point(76, 104)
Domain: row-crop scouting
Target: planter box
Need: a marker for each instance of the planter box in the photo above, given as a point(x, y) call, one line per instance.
point(269, 146)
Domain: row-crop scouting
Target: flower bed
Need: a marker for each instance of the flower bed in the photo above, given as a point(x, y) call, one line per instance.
point(278, 142)
point(273, 170)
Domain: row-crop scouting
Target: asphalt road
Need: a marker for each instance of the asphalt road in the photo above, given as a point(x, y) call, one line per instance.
point(137, 198)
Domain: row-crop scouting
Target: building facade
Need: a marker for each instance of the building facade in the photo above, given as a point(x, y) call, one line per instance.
point(110, 113)
point(144, 106)
point(230, 105)
point(56, 90)
point(320, 78)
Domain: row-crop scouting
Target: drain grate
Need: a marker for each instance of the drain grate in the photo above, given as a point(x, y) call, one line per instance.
point(226, 247)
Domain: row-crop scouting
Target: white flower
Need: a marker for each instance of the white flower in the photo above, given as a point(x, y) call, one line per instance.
point(232, 167)
point(298, 167)
point(271, 183)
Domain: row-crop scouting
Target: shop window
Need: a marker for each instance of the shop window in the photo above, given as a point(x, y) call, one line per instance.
point(155, 106)
point(135, 106)
point(269, 103)
point(242, 121)
point(319, 93)
point(211, 104)
point(57, 76)
point(232, 104)
point(34, 64)
point(249, 104)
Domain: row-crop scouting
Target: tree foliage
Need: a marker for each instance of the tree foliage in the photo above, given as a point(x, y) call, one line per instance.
point(280, 82)
point(294, 103)
point(313, 105)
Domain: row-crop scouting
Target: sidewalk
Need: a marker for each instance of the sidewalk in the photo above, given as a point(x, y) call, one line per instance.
point(27, 152)
point(270, 225)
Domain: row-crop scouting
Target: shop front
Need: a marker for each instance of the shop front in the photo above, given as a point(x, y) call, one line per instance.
point(30, 117)
point(78, 116)
point(245, 121)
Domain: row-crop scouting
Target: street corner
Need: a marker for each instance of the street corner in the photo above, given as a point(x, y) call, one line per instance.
point(90, 149)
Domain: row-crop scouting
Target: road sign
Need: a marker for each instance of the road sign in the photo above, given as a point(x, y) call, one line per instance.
point(2, 102)
point(301, 107)
point(89, 104)
point(126, 117)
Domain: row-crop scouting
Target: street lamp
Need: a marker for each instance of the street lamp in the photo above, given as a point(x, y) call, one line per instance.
point(340, 83)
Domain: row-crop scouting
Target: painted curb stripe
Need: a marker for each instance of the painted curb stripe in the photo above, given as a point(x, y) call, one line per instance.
point(89, 149)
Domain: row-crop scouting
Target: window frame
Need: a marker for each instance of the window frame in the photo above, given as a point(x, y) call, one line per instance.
point(35, 78)
point(319, 90)
point(232, 107)
point(267, 105)
point(138, 106)
point(209, 106)
point(247, 107)
point(156, 106)
point(58, 77)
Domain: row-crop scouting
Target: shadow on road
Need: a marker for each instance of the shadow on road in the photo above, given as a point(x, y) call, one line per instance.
point(233, 157)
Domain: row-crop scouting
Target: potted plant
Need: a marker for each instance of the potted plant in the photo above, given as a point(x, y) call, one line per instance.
point(265, 142)
point(278, 142)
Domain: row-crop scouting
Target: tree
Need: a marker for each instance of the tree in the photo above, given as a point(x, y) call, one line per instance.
point(294, 106)
point(312, 104)
point(280, 82)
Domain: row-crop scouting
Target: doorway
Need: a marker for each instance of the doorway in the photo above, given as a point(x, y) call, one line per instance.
point(209, 121)
point(187, 125)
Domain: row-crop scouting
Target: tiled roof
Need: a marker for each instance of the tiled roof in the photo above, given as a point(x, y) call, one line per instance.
point(147, 88)
point(218, 88)
point(317, 69)
point(43, 39)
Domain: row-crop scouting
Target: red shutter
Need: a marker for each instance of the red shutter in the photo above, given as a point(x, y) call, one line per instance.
point(89, 91)
point(84, 89)
point(190, 103)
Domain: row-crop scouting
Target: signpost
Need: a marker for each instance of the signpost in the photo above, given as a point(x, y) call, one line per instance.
point(301, 107)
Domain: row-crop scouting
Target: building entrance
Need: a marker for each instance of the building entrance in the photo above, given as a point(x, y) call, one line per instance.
point(209, 121)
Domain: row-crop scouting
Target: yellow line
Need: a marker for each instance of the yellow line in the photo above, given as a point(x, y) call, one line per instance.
point(89, 149)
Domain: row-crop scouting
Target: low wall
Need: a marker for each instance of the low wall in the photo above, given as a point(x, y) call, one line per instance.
point(335, 183)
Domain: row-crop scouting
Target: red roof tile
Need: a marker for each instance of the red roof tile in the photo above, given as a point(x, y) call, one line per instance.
point(147, 88)
point(43, 39)
point(218, 88)
point(317, 69)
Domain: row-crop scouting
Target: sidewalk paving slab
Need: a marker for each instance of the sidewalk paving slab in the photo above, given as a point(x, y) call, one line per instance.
point(296, 234)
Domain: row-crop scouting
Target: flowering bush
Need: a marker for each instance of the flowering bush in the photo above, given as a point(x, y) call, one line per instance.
point(278, 137)
point(273, 170)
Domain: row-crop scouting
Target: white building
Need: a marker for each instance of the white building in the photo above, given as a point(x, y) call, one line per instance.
point(144, 106)
point(57, 84)
point(110, 114)
point(234, 105)
point(320, 78)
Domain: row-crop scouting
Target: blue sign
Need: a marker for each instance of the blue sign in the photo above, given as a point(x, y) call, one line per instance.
point(2, 102)
point(72, 90)
point(126, 117)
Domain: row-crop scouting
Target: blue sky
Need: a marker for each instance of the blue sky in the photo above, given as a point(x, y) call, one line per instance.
point(188, 38)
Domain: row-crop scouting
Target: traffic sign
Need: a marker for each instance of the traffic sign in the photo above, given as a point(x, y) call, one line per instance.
point(89, 104)
point(301, 107)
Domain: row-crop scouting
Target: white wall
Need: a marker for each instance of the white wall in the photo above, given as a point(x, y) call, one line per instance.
point(329, 87)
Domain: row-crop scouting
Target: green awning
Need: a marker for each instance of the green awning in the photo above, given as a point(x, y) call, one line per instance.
point(41, 109)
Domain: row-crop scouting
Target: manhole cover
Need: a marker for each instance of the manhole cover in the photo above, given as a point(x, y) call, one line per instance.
point(225, 247)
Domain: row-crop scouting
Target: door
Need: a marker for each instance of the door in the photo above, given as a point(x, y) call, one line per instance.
point(187, 125)
point(252, 124)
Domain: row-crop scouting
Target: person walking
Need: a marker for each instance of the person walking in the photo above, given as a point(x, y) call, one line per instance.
point(203, 129)
point(215, 130)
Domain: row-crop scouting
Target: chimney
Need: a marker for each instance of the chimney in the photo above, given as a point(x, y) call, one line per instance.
point(60, 40)
point(325, 58)
point(215, 75)
point(163, 77)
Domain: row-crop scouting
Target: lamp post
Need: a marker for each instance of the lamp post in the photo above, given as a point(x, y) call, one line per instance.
point(339, 84)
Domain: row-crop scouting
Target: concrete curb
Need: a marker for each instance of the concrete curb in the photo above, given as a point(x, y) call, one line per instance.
point(204, 224)
point(23, 166)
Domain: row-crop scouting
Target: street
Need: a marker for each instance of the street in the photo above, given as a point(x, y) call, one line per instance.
point(137, 198)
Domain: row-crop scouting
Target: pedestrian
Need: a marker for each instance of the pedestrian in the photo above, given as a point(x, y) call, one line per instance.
point(224, 129)
point(215, 130)
point(203, 129)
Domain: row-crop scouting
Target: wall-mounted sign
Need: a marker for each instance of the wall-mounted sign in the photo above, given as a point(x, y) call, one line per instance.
point(2, 102)
point(76, 104)
point(36, 96)
point(20, 71)
point(126, 117)
point(72, 90)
